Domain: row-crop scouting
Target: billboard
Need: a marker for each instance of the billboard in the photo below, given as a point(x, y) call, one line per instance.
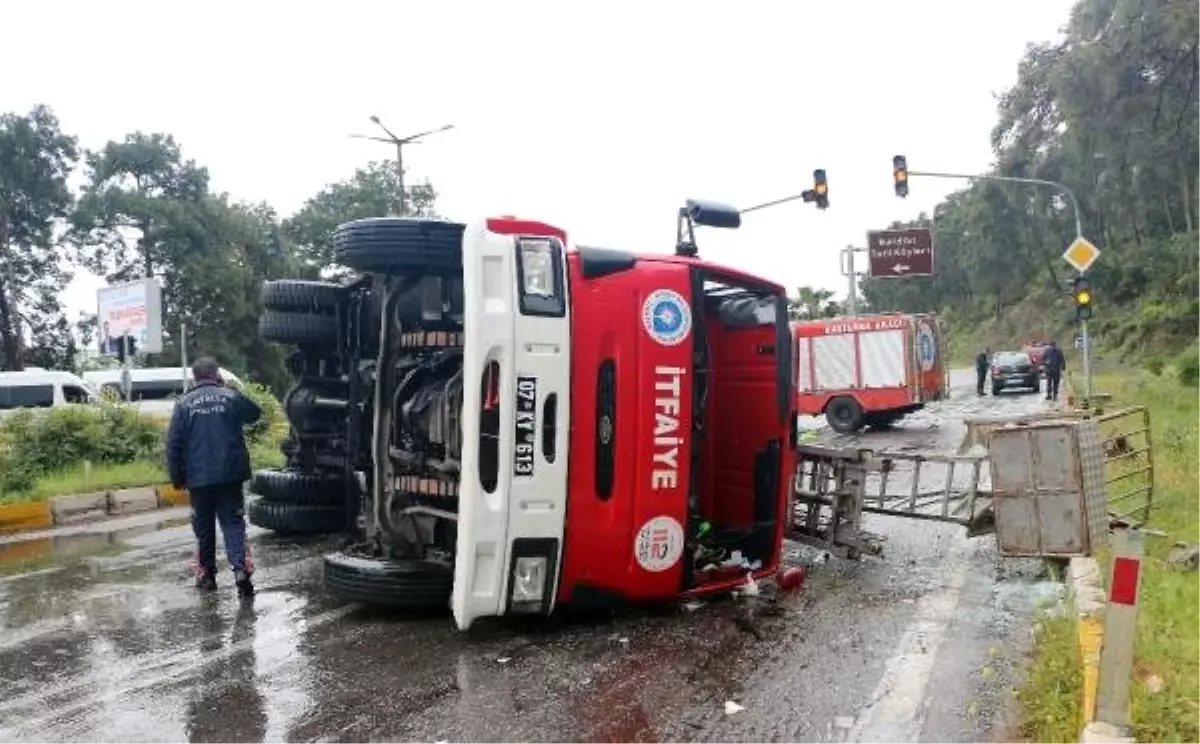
point(132, 311)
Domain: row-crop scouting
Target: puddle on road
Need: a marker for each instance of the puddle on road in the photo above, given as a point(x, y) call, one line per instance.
point(21, 557)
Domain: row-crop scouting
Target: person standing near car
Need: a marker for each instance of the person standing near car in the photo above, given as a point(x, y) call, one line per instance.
point(1055, 363)
point(207, 454)
point(981, 369)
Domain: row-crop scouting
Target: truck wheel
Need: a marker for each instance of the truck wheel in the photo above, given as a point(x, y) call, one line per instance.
point(296, 519)
point(301, 329)
point(394, 245)
point(394, 584)
point(294, 487)
point(301, 296)
point(844, 415)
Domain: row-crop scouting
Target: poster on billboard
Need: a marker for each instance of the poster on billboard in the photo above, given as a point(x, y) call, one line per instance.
point(130, 313)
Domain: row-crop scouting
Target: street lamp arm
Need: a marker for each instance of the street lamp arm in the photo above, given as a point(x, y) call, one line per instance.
point(370, 137)
point(410, 139)
point(394, 139)
point(1063, 188)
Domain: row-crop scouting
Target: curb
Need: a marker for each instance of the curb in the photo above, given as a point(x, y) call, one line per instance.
point(89, 507)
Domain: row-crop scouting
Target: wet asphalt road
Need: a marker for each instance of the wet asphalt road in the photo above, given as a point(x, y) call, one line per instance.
point(102, 639)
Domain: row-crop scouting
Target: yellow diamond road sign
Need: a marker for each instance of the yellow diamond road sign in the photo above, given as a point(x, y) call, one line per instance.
point(1081, 254)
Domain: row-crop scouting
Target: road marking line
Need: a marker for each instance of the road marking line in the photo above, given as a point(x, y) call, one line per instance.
point(895, 712)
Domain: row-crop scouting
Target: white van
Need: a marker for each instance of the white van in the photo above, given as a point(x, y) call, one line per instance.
point(43, 388)
point(154, 389)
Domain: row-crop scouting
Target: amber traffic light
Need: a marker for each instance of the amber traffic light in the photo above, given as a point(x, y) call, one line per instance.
point(820, 189)
point(1082, 291)
point(900, 174)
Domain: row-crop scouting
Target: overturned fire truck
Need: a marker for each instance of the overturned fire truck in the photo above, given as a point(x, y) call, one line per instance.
point(516, 423)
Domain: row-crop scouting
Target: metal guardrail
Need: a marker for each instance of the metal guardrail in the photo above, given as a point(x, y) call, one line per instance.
point(1129, 465)
point(833, 487)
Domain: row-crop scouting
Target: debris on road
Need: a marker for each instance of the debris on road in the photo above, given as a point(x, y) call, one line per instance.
point(792, 578)
point(732, 708)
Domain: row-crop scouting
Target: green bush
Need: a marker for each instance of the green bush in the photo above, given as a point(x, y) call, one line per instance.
point(48, 441)
point(34, 445)
point(266, 429)
point(1155, 365)
point(1187, 366)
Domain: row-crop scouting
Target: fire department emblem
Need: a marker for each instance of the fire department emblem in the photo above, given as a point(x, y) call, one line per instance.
point(666, 316)
point(659, 544)
point(926, 346)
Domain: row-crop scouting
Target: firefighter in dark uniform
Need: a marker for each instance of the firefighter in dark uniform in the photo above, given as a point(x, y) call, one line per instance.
point(982, 362)
point(1055, 363)
point(206, 453)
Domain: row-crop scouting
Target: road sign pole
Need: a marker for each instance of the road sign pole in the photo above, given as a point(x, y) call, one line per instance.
point(852, 283)
point(1087, 361)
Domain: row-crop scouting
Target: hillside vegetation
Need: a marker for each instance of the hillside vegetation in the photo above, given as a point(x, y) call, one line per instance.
point(1109, 110)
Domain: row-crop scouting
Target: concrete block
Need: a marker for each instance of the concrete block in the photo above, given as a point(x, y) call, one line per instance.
point(1087, 586)
point(1104, 733)
point(80, 508)
point(132, 500)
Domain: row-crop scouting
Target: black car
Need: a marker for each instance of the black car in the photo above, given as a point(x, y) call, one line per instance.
point(1012, 370)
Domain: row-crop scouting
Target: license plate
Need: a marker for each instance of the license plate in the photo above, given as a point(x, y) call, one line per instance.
point(525, 428)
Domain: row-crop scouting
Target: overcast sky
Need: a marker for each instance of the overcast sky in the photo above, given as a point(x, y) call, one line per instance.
point(601, 118)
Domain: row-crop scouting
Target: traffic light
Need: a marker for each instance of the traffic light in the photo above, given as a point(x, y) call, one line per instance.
point(1081, 288)
point(900, 173)
point(820, 189)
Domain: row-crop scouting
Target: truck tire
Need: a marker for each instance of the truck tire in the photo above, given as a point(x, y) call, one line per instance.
point(301, 329)
point(396, 245)
point(295, 487)
point(392, 584)
point(844, 415)
point(301, 296)
point(296, 519)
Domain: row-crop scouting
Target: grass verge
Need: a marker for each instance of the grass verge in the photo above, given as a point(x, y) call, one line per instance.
point(1051, 699)
point(1166, 687)
point(81, 479)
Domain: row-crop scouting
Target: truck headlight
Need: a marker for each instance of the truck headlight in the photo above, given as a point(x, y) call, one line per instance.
point(539, 276)
point(529, 582)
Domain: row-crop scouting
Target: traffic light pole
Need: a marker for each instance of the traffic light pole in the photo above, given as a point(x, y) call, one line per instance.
point(1070, 195)
point(851, 279)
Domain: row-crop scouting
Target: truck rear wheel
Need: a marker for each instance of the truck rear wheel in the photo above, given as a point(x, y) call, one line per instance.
point(844, 415)
point(397, 245)
point(301, 296)
point(294, 487)
point(301, 329)
point(402, 584)
point(296, 519)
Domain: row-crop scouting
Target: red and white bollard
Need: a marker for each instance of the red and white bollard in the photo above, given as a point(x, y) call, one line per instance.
point(1111, 719)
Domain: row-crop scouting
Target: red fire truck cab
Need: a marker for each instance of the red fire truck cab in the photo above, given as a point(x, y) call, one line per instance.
point(868, 370)
point(593, 426)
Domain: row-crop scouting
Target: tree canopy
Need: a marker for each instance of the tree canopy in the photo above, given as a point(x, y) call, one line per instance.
point(146, 210)
point(1110, 111)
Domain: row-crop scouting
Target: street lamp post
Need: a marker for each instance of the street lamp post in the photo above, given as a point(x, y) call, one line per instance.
point(399, 142)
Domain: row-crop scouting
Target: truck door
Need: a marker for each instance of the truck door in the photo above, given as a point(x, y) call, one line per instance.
point(516, 405)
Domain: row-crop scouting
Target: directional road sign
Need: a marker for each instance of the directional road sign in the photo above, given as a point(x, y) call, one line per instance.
point(900, 253)
point(1081, 254)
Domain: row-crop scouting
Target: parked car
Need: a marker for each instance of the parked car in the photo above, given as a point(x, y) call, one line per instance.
point(1037, 351)
point(1014, 369)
